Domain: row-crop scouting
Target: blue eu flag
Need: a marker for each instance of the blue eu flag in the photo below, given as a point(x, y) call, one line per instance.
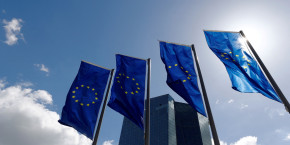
point(244, 72)
point(181, 75)
point(84, 99)
point(127, 93)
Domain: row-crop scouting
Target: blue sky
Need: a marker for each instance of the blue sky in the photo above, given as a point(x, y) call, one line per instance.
point(54, 36)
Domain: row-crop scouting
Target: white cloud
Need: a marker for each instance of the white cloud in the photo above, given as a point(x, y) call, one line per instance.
point(26, 120)
point(231, 101)
point(223, 143)
point(217, 101)
point(243, 106)
point(248, 140)
point(287, 137)
point(273, 112)
point(285, 134)
point(2, 84)
point(109, 142)
point(43, 68)
point(25, 84)
point(13, 30)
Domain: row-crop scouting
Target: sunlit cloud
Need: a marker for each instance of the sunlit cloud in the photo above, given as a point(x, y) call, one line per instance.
point(109, 142)
point(287, 137)
point(26, 120)
point(2, 83)
point(43, 68)
point(283, 133)
point(248, 140)
point(243, 106)
point(230, 101)
point(217, 101)
point(13, 31)
point(274, 112)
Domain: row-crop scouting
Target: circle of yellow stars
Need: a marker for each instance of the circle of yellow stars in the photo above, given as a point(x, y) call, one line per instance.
point(133, 92)
point(186, 71)
point(227, 57)
point(79, 101)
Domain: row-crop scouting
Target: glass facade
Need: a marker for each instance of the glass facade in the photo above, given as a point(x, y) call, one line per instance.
point(172, 123)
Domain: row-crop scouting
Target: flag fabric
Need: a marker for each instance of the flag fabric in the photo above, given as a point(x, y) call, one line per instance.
point(127, 93)
point(181, 75)
point(245, 74)
point(84, 99)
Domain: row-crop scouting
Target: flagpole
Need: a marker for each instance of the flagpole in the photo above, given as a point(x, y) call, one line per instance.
point(269, 76)
point(147, 121)
point(210, 117)
point(103, 109)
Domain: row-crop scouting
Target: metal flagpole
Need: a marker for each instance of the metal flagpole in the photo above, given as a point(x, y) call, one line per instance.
point(147, 121)
point(210, 117)
point(269, 76)
point(103, 109)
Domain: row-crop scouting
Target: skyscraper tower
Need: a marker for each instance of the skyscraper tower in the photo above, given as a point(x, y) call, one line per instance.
point(172, 123)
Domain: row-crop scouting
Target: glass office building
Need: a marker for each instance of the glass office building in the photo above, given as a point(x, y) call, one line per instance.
point(172, 123)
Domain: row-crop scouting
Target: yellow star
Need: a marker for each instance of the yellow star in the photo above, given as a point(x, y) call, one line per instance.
point(188, 77)
point(227, 58)
point(189, 74)
point(175, 64)
point(121, 87)
point(126, 92)
point(77, 87)
point(244, 67)
point(233, 60)
point(82, 104)
point(184, 80)
point(96, 93)
point(93, 102)
point(82, 85)
point(127, 77)
point(133, 79)
point(93, 89)
point(222, 55)
point(244, 57)
point(248, 64)
point(225, 53)
point(132, 93)
point(73, 96)
point(88, 105)
point(120, 74)
point(230, 52)
point(137, 84)
point(186, 71)
point(169, 66)
point(237, 55)
point(117, 77)
point(248, 60)
point(88, 87)
point(136, 91)
point(119, 82)
point(123, 74)
point(181, 67)
point(138, 88)
point(96, 98)
point(76, 100)
point(73, 91)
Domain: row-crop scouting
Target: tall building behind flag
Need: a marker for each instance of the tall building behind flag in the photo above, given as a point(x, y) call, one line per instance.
point(245, 74)
point(181, 75)
point(173, 123)
point(128, 90)
point(85, 98)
